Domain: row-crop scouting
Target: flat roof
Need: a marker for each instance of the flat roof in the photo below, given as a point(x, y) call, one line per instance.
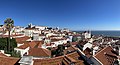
point(26, 60)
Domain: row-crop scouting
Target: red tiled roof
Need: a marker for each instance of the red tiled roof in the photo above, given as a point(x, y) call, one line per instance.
point(87, 52)
point(82, 43)
point(71, 48)
point(23, 42)
point(49, 61)
point(103, 56)
point(8, 60)
point(39, 43)
point(31, 44)
point(54, 40)
point(39, 52)
point(21, 39)
point(73, 57)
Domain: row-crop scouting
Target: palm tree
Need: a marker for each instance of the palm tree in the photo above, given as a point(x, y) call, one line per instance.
point(9, 23)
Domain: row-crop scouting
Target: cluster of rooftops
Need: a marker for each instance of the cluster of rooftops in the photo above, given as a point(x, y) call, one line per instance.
point(41, 45)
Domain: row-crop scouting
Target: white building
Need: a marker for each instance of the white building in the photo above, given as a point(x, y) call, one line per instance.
point(29, 31)
point(87, 45)
point(38, 37)
point(19, 29)
point(41, 27)
point(87, 35)
point(59, 42)
point(22, 49)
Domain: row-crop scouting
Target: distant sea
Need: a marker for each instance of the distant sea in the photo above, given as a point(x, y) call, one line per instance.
point(105, 33)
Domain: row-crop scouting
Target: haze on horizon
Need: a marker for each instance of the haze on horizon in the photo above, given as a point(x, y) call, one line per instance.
point(72, 14)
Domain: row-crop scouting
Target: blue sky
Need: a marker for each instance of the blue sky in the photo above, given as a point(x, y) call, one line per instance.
point(72, 14)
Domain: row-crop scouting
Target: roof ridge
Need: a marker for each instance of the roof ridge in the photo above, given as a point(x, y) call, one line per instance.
point(45, 50)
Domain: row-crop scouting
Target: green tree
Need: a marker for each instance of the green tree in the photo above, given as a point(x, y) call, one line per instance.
point(74, 39)
point(4, 44)
point(59, 50)
point(9, 23)
point(15, 54)
point(13, 44)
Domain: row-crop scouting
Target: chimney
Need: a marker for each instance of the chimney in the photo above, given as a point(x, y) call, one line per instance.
point(94, 51)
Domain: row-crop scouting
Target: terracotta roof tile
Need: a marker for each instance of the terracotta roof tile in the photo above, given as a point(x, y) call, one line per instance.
point(39, 52)
point(60, 59)
point(71, 48)
point(22, 42)
point(8, 60)
point(21, 39)
point(49, 61)
point(87, 52)
point(39, 44)
point(54, 40)
point(103, 56)
point(73, 58)
point(31, 44)
point(82, 43)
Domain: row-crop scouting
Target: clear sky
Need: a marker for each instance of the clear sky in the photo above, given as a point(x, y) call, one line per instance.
point(72, 14)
